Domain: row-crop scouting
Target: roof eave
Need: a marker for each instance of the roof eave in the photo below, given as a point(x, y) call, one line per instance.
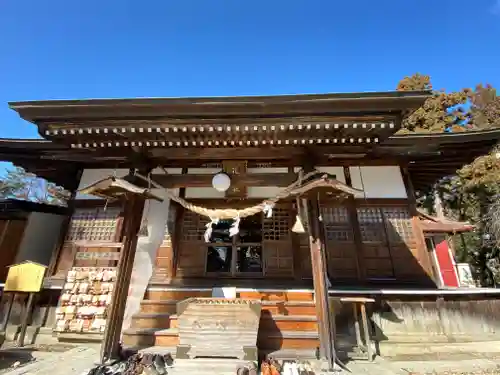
point(396, 101)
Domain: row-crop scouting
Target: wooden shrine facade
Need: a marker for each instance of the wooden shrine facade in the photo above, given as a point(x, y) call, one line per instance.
point(368, 240)
point(261, 143)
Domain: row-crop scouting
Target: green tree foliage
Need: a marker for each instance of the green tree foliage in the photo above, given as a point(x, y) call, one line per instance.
point(441, 112)
point(19, 184)
point(473, 193)
point(485, 107)
point(467, 109)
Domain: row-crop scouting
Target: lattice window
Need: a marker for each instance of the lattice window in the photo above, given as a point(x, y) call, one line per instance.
point(277, 227)
point(193, 227)
point(398, 223)
point(96, 224)
point(371, 223)
point(336, 223)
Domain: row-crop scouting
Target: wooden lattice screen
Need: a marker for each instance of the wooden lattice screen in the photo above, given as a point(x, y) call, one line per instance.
point(339, 239)
point(192, 247)
point(278, 251)
point(402, 242)
point(94, 224)
point(91, 229)
point(388, 237)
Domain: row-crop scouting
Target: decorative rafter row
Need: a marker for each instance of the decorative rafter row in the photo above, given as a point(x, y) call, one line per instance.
point(217, 143)
point(217, 128)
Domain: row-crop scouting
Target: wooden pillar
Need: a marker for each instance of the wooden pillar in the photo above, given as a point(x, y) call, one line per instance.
point(134, 207)
point(319, 272)
point(179, 219)
point(56, 253)
point(424, 255)
point(356, 230)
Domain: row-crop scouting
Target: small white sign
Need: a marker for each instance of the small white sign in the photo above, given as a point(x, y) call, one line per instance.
point(465, 277)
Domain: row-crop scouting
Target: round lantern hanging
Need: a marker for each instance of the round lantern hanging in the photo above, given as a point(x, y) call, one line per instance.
point(221, 182)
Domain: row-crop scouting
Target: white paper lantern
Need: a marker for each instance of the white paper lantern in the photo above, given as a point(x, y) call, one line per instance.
point(221, 182)
point(497, 155)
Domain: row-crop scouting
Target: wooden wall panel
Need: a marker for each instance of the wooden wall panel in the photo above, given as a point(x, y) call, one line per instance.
point(339, 241)
point(192, 259)
point(192, 248)
point(278, 259)
point(390, 249)
point(11, 235)
point(89, 227)
point(277, 243)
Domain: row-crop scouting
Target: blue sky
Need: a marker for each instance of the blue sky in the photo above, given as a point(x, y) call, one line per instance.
point(106, 49)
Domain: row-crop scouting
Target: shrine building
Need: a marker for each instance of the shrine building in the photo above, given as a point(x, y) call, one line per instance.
point(234, 196)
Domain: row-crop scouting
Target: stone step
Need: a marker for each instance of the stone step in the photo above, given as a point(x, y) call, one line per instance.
point(205, 366)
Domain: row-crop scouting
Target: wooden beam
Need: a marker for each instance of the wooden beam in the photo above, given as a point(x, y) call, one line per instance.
point(134, 207)
point(179, 220)
point(228, 153)
point(356, 230)
point(425, 259)
point(319, 273)
point(312, 213)
point(65, 226)
point(205, 180)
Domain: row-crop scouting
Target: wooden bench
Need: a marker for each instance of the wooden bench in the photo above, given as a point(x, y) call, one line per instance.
point(364, 344)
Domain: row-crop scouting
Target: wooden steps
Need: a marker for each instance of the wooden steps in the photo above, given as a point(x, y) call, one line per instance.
point(288, 320)
point(154, 320)
point(149, 306)
point(268, 322)
point(146, 337)
point(278, 296)
point(288, 340)
point(268, 307)
point(178, 295)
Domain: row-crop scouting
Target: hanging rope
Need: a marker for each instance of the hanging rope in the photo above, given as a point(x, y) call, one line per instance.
point(298, 227)
point(220, 214)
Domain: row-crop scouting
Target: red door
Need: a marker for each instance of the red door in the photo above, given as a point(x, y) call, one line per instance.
point(446, 264)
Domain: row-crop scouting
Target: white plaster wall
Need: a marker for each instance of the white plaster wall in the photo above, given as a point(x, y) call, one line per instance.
point(40, 237)
point(378, 181)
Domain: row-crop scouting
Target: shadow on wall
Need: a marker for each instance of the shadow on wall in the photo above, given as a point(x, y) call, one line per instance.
point(391, 247)
point(390, 254)
point(450, 318)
